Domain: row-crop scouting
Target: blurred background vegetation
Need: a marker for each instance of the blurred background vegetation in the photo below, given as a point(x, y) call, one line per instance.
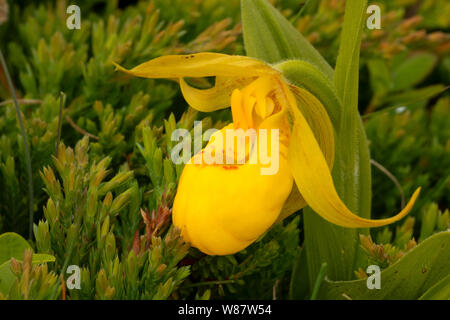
point(102, 201)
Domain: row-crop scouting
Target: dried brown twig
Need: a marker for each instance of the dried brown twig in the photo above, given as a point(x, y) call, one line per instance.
point(80, 130)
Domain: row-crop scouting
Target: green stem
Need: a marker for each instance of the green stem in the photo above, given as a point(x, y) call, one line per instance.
point(380, 167)
point(26, 146)
point(319, 280)
point(305, 5)
point(62, 100)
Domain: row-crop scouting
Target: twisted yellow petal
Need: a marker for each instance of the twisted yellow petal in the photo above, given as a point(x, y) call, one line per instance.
point(314, 181)
point(215, 98)
point(320, 123)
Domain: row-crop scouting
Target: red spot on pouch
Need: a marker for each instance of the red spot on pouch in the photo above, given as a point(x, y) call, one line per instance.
point(230, 167)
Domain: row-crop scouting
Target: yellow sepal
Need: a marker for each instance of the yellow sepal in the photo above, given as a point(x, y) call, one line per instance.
point(315, 183)
point(204, 64)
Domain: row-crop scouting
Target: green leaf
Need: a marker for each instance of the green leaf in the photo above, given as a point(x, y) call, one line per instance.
point(419, 273)
point(39, 258)
point(7, 277)
point(411, 99)
point(12, 245)
point(319, 280)
point(270, 37)
point(380, 77)
point(299, 285)
point(413, 70)
point(346, 74)
point(440, 291)
point(324, 241)
point(413, 96)
point(346, 80)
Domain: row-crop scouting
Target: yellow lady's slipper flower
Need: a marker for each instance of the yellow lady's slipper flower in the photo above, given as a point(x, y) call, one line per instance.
point(223, 208)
